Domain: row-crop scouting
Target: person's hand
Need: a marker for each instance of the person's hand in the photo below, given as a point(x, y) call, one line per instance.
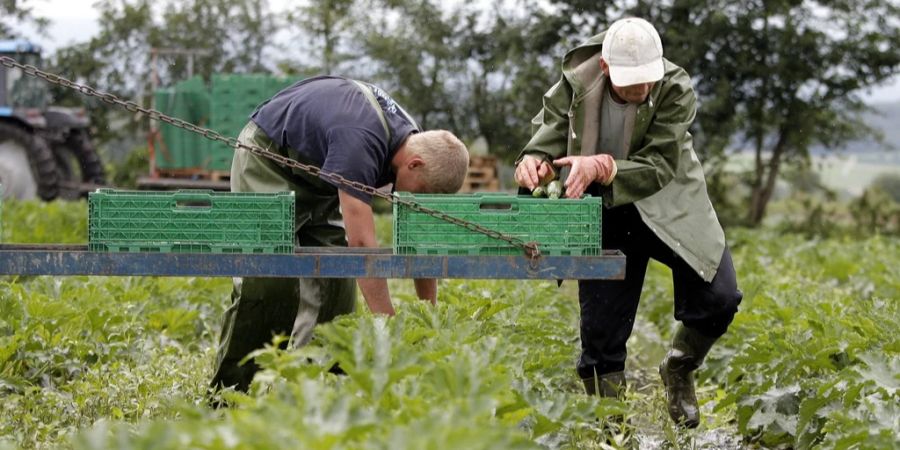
point(586, 170)
point(532, 172)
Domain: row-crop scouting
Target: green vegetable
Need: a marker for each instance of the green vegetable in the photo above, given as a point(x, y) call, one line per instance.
point(539, 192)
point(554, 189)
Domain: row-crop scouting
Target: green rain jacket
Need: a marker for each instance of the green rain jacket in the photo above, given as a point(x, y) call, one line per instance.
point(661, 174)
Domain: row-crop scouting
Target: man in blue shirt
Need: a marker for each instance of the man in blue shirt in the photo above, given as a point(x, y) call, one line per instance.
point(352, 129)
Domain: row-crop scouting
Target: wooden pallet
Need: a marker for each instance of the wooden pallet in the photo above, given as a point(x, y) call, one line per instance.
point(483, 161)
point(480, 186)
point(196, 174)
point(482, 175)
point(220, 175)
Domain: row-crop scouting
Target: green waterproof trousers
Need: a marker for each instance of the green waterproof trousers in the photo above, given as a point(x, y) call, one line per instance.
point(263, 307)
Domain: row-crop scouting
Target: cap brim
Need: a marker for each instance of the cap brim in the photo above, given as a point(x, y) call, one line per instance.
point(628, 75)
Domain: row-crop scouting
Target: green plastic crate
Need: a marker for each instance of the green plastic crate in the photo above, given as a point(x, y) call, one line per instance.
point(223, 106)
point(559, 226)
point(190, 221)
point(189, 101)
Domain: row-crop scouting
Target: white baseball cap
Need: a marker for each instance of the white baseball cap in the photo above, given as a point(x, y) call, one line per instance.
point(633, 51)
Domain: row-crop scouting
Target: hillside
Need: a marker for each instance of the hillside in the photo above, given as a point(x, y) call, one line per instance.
point(885, 118)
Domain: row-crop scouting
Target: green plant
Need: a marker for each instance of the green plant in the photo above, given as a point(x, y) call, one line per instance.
point(124, 174)
point(889, 184)
point(41, 222)
point(123, 362)
point(813, 355)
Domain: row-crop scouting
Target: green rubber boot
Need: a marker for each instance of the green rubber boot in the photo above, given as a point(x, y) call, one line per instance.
point(689, 348)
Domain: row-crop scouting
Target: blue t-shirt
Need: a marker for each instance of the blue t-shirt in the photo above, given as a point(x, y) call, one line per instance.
point(330, 122)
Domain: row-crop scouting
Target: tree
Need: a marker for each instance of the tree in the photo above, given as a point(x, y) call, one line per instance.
point(18, 12)
point(114, 61)
point(232, 33)
point(325, 24)
point(780, 76)
point(513, 61)
point(477, 69)
point(411, 48)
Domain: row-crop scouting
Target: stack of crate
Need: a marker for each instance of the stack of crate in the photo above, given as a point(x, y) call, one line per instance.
point(177, 149)
point(224, 107)
point(482, 174)
point(232, 99)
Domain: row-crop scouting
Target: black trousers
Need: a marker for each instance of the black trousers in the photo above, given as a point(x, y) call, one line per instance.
point(608, 307)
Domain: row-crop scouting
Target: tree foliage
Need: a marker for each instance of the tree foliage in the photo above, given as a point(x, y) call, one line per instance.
point(201, 37)
point(778, 77)
point(512, 60)
point(775, 77)
point(412, 49)
point(18, 12)
point(325, 25)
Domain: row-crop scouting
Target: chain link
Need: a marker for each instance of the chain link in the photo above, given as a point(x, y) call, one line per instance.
point(530, 248)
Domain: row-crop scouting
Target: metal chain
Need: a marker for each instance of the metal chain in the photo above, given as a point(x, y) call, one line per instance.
point(530, 248)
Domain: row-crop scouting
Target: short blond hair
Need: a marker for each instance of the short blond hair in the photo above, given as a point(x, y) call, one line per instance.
point(446, 159)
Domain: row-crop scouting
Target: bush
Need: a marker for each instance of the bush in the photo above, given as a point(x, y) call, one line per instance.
point(124, 175)
point(889, 183)
point(874, 212)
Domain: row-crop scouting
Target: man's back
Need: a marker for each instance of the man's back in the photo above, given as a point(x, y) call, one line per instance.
point(330, 122)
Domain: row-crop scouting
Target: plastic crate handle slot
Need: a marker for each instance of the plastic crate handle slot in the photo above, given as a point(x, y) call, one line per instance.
point(192, 201)
point(499, 204)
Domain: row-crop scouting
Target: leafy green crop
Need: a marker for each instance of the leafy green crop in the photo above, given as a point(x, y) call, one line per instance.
point(76, 350)
point(814, 356)
point(41, 222)
point(812, 360)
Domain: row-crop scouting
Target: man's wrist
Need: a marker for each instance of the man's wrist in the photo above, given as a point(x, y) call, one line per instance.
point(612, 173)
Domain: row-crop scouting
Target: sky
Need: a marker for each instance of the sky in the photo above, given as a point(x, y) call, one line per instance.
point(75, 21)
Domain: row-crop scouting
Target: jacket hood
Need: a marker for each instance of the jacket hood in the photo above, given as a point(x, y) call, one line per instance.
point(581, 67)
point(583, 52)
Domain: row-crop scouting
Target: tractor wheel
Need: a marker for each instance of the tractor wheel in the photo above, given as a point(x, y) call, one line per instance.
point(27, 165)
point(78, 163)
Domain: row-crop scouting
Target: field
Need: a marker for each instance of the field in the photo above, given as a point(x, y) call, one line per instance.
point(812, 360)
point(847, 174)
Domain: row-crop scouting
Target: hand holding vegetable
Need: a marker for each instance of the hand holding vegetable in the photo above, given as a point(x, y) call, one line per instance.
point(532, 172)
point(586, 170)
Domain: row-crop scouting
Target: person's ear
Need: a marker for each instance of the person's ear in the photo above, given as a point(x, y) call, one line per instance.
point(415, 162)
point(604, 66)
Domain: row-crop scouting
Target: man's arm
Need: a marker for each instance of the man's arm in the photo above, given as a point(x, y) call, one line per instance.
point(426, 289)
point(361, 233)
point(551, 134)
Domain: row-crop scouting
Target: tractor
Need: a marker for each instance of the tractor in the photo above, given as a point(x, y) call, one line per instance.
point(45, 151)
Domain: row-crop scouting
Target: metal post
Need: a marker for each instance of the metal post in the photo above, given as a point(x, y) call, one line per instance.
point(151, 138)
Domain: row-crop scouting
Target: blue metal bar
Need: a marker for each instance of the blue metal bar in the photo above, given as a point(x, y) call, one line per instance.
point(305, 263)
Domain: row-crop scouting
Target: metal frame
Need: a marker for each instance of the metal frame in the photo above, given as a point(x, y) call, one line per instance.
point(307, 262)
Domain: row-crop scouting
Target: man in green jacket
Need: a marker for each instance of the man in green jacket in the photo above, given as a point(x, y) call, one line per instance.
point(616, 125)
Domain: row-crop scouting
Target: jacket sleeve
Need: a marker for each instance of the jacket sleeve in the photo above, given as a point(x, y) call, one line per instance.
point(654, 164)
point(550, 138)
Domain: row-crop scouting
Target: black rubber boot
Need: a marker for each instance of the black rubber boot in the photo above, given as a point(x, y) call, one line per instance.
point(618, 432)
point(607, 385)
point(689, 348)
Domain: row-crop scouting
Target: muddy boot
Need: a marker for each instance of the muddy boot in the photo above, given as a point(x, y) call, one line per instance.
point(689, 347)
point(617, 431)
point(607, 385)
